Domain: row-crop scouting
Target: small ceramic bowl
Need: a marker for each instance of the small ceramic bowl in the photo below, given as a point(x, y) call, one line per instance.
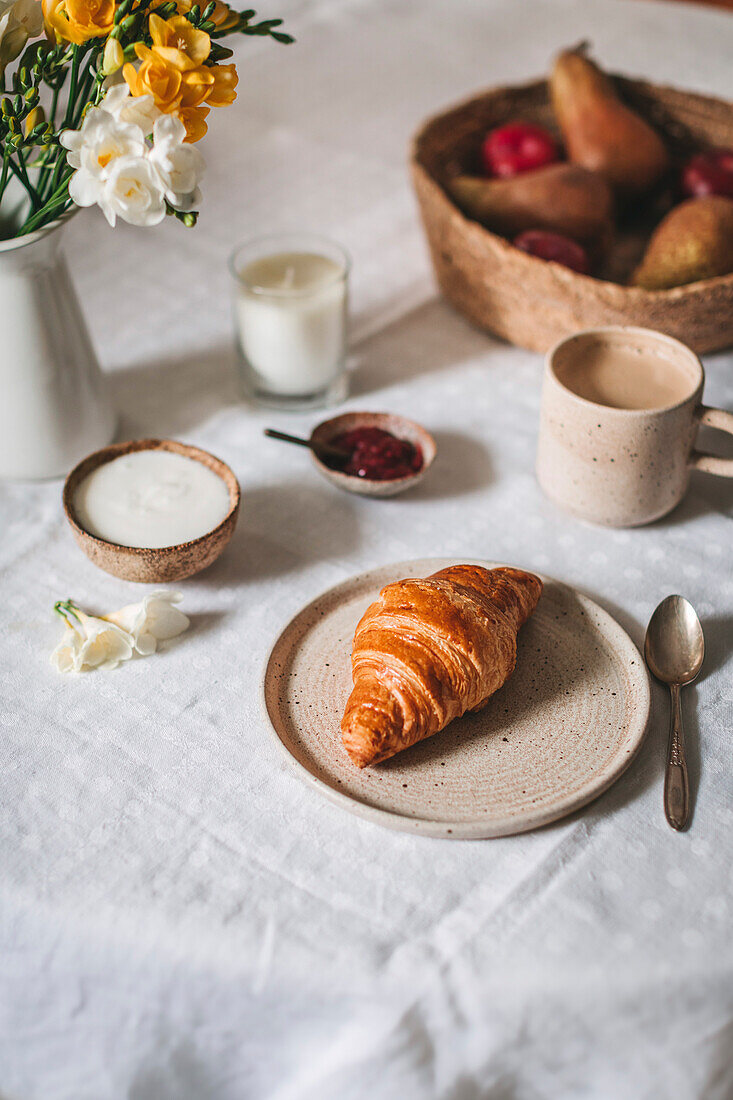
point(165, 563)
point(399, 426)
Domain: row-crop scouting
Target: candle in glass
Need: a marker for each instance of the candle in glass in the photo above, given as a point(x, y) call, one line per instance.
point(290, 312)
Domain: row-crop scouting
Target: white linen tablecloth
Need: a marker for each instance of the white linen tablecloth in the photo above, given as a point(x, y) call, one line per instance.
point(180, 918)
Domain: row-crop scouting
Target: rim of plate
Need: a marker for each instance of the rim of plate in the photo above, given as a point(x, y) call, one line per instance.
point(477, 829)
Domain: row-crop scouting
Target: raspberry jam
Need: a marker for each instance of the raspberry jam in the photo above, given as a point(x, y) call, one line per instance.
point(376, 455)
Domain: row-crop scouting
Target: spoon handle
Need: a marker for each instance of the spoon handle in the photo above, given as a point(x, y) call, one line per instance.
point(676, 785)
point(286, 438)
point(319, 449)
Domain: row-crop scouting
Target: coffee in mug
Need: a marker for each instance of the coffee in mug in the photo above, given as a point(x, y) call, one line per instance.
point(620, 412)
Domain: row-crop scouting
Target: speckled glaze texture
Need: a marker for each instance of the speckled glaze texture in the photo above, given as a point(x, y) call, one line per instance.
point(388, 422)
point(163, 564)
point(560, 731)
point(622, 467)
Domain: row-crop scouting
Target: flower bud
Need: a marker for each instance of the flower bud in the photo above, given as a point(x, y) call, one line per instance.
point(36, 117)
point(122, 10)
point(114, 57)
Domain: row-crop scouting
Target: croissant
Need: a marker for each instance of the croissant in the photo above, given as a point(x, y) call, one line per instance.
point(428, 650)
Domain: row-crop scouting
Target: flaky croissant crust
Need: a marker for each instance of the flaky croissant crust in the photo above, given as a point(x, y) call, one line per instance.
point(428, 650)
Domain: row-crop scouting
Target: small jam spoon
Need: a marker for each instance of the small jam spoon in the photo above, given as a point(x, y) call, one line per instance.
point(674, 650)
point(320, 450)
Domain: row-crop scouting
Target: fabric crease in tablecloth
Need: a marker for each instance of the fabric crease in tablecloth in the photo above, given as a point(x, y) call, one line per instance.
point(181, 918)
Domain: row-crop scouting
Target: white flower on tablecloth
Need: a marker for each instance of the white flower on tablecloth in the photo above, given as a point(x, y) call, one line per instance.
point(153, 620)
point(104, 641)
point(179, 166)
point(65, 656)
point(19, 21)
point(89, 642)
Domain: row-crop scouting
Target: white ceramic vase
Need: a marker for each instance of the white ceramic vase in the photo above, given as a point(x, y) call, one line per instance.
point(55, 404)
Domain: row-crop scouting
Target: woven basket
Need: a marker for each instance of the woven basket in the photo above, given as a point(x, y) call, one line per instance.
point(534, 303)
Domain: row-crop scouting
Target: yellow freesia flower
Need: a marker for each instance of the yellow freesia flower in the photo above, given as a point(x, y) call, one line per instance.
point(193, 119)
point(178, 42)
point(79, 20)
point(222, 91)
point(172, 71)
point(154, 77)
point(196, 86)
point(171, 89)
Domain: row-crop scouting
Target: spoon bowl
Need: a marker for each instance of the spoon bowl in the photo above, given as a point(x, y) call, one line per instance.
point(674, 650)
point(674, 647)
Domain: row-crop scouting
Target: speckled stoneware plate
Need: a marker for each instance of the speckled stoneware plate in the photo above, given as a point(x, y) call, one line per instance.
point(563, 728)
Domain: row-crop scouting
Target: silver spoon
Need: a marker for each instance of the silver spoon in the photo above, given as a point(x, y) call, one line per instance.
point(674, 650)
point(321, 450)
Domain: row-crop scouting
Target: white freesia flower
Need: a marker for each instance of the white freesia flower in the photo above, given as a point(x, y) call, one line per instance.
point(93, 151)
point(115, 166)
point(133, 191)
point(179, 166)
point(89, 642)
point(65, 656)
point(19, 21)
point(153, 620)
point(139, 110)
point(112, 166)
point(103, 642)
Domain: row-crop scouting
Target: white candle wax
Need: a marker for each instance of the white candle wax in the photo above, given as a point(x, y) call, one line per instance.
point(291, 313)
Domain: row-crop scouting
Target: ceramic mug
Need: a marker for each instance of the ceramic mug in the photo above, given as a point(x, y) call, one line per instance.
point(620, 411)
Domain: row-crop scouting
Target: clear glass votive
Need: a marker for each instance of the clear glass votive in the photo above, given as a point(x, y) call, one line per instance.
point(290, 313)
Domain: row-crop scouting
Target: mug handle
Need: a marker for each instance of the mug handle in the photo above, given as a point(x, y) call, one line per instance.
point(711, 464)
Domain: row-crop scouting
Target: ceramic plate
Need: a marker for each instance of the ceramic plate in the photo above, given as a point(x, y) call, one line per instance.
point(560, 731)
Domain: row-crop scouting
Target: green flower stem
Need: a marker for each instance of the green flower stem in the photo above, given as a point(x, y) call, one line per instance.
point(5, 169)
point(55, 100)
point(56, 174)
point(75, 60)
point(47, 167)
point(80, 93)
point(66, 608)
point(54, 207)
point(85, 84)
point(46, 185)
point(19, 170)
